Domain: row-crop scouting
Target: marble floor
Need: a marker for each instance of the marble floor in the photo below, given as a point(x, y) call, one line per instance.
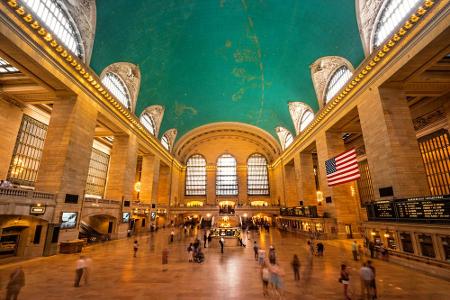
point(232, 275)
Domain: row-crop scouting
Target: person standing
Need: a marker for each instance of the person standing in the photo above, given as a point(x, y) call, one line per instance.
point(320, 249)
point(205, 239)
point(366, 276)
point(15, 284)
point(272, 255)
point(345, 280)
point(355, 250)
point(261, 256)
point(135, 247)
point(172, 234)
point(296, 267)
point(372, 249)
point(255, 249)
point(373, 283)
point(190, 252)
point(79, 269)
point(221, 242)
point(165, 259)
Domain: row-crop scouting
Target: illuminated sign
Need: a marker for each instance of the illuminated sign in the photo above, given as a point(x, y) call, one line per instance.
point(37, 210)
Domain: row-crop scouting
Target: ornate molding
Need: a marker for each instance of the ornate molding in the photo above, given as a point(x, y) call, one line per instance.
point(282, 133)
point(157, 114)
point(297, 109)
point(83, 12)
point(321, 71)
point(366, 14)
point(429, 118)
point(131, 76)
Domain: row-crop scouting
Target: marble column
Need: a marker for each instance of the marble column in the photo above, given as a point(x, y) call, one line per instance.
point(391, 145)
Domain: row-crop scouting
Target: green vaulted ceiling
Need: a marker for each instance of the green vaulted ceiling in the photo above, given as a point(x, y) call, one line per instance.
point(225, 60)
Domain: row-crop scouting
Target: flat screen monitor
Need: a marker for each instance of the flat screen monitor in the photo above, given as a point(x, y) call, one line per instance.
point(125, 217)
point(69, 220)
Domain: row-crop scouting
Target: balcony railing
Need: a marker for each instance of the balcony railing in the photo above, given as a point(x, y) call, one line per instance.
point(8, 193)
point(96, 201)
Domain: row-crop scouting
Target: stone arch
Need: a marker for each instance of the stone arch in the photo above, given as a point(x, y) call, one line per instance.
point(285, 136)
point(131, 77)
point(171, 135)
point(321, 72)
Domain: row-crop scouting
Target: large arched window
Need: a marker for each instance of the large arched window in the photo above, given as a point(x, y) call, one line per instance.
point(56, 19)
point(117, 87)
point(257, 177)
point(391, 15)
point(306, 118)
point(226, 177)
point(165, 142)
point(195, 176)
point(148, 122)
point(336, 82)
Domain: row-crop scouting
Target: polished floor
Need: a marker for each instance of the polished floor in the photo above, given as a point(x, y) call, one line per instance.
point(233, 275)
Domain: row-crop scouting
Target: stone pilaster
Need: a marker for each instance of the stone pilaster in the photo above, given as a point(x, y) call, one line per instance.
point(122, 168)
point(242, 184)
point(391, 146)
point(150, 167)
point(306, 185)
point(211, 184)
point(163, 185)
point(66, 156)
point(344, 206)
point(10, 120)
point(290, 185)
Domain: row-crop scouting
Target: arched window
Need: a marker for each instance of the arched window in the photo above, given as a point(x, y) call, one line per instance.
point(391, 15)
point(307, 117)
point(288, 139)
point(195, 176)
point(337, 81)
point(148, 123)
point(226, 177)
point(56, 19)
point(165, 142)
point(117, 87)
point(257, 177)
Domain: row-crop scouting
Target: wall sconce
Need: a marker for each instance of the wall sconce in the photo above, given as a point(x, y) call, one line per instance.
point(386, 235)
point(137, 187)
point(245, 215)
point(208, 215)
point(373, 233)
point(319, 196)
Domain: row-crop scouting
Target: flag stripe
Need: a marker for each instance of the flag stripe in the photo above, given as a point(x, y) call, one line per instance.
point(342, 168)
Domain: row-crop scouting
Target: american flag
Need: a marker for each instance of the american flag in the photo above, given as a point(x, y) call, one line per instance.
point(342, 168)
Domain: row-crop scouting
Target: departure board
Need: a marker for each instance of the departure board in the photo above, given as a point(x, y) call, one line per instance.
point(413, 209)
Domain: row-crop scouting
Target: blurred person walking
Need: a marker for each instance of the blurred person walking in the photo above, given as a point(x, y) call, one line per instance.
point(15, 284)
point(265, 277)
point(373, 283)
point(345, 280)
point(165, 259)
point(79, 269)
point(355, 250)
point(135, 248)
point(367, 277)
point(87, 269)
point(255, 250)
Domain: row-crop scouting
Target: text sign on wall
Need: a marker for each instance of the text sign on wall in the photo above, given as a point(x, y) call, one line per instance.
point(37, 210)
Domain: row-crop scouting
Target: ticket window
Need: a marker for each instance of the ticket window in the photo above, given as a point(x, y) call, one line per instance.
point(406, 241)
point(391, 243)
point(426, 245)
point(446, 247)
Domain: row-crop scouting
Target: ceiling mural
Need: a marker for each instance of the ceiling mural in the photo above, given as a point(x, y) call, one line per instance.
point(211, 61)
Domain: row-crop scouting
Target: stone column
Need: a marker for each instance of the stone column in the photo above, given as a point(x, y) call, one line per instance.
point(10, 120)
point(150, 167)
point(306, 184)
point(344, 206)
point(391, 145)
point(242, 184)
point(66, 156)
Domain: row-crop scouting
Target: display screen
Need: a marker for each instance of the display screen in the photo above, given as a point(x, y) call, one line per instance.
point(153, 215)
point(69, 220)
point(421, 209)
point(125, 217)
